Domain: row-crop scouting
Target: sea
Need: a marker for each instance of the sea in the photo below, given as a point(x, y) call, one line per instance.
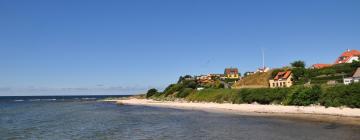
point(87, 118)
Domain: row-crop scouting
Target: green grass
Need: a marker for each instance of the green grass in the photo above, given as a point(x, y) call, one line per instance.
point(329, 96)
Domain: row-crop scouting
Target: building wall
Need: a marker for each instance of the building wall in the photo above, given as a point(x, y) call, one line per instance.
point(355, 58)
point(232, 76)
point(348, 81)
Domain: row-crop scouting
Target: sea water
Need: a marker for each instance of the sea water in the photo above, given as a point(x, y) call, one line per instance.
point(83, 118)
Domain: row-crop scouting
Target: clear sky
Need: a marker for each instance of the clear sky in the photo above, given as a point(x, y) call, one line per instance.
point(126, 46)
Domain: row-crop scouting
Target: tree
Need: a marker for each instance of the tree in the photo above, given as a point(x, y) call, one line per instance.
point(151, 92)
point(247, 73)
point(298, 64)
point(182, 78)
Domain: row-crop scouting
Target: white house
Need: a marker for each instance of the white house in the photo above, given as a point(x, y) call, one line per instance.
point(348, 57)
point(354, 79)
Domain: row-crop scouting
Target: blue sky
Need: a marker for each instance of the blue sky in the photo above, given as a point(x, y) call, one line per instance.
point(126, 46)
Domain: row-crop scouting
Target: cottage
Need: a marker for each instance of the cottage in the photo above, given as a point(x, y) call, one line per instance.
point(320, 66)
point(231, 73)
point(354, 79)
point(204, 79)
point(282, 79)
point(262, 70)
point(348, 57)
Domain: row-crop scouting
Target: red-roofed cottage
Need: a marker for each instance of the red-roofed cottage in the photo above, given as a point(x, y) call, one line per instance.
point(282, 79)
point(231, 73)
point(348, 57)
point(320, 66)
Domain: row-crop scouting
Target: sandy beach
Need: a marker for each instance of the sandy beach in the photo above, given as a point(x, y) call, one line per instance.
point(314, 113)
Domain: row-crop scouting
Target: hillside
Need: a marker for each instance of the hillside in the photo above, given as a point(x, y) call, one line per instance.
point(257, 80)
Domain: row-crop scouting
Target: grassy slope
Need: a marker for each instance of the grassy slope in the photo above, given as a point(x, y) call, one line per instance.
point(257, 80)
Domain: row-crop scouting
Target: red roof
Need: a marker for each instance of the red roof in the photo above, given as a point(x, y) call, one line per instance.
point(320, 66)
point(282, 75)
point(346, 56)
point(231, 71)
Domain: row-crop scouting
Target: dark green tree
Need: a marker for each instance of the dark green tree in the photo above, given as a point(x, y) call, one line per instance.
point(151, 92)
point(298, 64)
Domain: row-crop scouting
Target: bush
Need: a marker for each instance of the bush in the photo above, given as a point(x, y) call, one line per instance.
point(151, 92)
point(298, 64)
point(304, 96)
point(342, 95)
point(172, 89)
point(264, 95)
point(184, 92)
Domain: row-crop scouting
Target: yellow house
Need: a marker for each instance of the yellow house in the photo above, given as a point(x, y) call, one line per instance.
point(231, 73)
point(282, 79)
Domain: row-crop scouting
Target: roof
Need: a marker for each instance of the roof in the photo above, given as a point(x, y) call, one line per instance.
point(357, 73)
point(346, 56)
point(282, 75)
point(320, 66)
point(231, 71)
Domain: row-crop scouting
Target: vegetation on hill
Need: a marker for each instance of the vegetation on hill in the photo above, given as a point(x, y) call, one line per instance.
point(317, 93)
point(254, 80)
point(320, 76)
point(329, 96)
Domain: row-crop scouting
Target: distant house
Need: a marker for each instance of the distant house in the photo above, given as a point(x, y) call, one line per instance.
point(282, 79)
point(320, 66)
point(261, 70)
point(231, 73)
point(348, 57)
point(354, 79)
point(204, 79)
point(248, 73)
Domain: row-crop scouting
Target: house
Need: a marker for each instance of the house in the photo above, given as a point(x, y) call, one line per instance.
point(282, 79)
point(348, 56)
point(320, 66)
point(354, 79)
point(261, 70)
point(231, 73)
point(204, 79)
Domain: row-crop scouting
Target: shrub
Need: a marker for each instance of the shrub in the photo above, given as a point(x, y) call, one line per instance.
point(151, 92)
point(304, 96)
point(342, 95)
point(172, 89)
point(184, 92)
point(298, 64)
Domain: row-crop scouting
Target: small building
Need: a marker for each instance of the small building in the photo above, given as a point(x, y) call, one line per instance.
point(282, 79)
point(354, 79)
point(204, 79)
point(262, 70)
point(231, 73)
point(348, 56)
point(320, 66)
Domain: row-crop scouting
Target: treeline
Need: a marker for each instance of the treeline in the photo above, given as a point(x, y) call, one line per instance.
point(329, 96)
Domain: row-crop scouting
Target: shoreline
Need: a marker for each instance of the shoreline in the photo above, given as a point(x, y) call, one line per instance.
point(348, 116)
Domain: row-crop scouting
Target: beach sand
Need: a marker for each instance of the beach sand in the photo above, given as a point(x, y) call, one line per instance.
point(312, 113)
